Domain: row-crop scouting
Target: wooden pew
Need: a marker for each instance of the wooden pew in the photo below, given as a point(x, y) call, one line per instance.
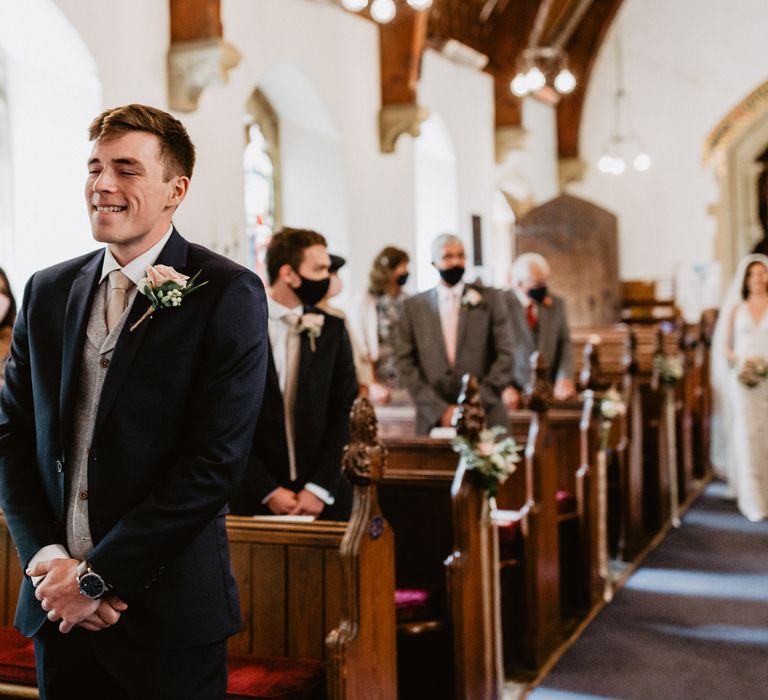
point(313, 595)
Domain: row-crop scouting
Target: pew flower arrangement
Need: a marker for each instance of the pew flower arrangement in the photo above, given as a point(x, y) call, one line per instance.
point(611, 406)
point(493, 456)
point(669, 369)
point(312, 325)
point(753, 370)
point(165, 288)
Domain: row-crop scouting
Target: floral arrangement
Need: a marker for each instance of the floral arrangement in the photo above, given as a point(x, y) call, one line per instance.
point(669, 369)
point(312, 325)
point(165, 288)
point(492, 457)
point(612, 405)
point(753, 370)
point(471, 298)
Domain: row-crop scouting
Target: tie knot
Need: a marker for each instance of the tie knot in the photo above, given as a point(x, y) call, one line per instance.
point(291, 319)
point(119, 280)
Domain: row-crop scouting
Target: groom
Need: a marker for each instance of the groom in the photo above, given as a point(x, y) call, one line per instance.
point(120, 442)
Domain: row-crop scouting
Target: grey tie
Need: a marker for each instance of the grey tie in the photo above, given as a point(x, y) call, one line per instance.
point(292, 354)
point(119, 285)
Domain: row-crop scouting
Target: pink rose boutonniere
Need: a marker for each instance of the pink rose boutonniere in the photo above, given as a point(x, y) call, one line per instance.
point(471, 298)
point(312, 325)
point(165, 288)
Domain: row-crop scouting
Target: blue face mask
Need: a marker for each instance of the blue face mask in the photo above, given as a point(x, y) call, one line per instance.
point(538, 294)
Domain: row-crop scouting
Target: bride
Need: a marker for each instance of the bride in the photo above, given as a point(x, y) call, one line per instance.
point(740, 388)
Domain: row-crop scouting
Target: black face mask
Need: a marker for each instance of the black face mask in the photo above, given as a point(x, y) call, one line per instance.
point(312, 291)
point(452, 276)
point(538, 294)
point(402, 279)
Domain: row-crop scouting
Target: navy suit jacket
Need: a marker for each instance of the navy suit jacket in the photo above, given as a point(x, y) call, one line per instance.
point(171, 438)
point(324, 394)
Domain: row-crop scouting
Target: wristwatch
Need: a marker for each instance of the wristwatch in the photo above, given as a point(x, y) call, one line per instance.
point(91, 585)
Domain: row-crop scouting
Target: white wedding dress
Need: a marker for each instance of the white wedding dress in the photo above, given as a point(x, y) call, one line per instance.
point(749, 408)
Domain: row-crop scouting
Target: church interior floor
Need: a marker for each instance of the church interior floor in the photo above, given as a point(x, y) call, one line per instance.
point(690, 623)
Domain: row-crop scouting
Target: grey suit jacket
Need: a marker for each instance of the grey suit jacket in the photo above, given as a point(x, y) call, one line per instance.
point(484, 348)
point(552, 339)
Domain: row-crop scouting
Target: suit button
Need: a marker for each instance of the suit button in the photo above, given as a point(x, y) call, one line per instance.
point(59, 466)
point(83, 495)
point(104, 362)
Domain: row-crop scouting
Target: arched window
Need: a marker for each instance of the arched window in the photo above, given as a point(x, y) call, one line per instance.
point(261, 165)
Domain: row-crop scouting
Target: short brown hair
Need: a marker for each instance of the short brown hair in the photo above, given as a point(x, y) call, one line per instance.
point(176, 149)
point(287, 248)
point(383, 264)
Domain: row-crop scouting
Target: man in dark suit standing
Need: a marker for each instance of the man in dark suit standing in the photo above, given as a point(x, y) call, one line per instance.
point(447, 331)
point(295, 463)
point(540, 323)
point(124, 430)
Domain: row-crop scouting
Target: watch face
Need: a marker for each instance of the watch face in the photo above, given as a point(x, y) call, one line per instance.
point(92, 585)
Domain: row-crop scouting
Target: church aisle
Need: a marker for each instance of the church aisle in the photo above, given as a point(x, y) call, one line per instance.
point(690, 624)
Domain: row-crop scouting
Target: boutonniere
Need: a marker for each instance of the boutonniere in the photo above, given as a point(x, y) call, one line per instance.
point(471, 298)
point(165, 288)
point(312, 325)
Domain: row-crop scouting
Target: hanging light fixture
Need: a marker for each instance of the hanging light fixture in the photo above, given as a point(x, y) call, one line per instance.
point(383, 11)
point(540, 66)
point(623, 145)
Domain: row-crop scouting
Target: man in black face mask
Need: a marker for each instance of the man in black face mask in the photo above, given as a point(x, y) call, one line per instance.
point(449, 330)
point(295, 464)
point(540, 323)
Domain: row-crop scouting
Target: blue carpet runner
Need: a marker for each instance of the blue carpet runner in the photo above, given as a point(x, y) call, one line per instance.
point(690, 624)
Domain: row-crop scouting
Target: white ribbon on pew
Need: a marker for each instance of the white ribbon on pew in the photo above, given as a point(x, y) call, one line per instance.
point(669, 416)
point(602, 526)
point(505, 518)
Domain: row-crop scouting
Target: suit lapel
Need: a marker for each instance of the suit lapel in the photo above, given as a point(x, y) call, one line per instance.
point(75, 321)
point(464, 311)
point(174, 254)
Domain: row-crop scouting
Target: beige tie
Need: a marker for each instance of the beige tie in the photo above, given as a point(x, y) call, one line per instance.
point(451, 328)
point(119, 285)
point(292, 354)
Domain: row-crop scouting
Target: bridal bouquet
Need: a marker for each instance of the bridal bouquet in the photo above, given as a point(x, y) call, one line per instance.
point(753, 370)
point(495, 459)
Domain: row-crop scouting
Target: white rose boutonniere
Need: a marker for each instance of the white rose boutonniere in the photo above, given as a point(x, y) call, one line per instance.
point(165, 288)
point(471, 298)
point(312, 325)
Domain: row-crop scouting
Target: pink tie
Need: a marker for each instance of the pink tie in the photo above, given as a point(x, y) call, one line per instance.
point(451, 328)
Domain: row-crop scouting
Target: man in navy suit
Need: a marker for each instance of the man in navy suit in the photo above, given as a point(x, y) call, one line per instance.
point(123, 434)
point(295, 463)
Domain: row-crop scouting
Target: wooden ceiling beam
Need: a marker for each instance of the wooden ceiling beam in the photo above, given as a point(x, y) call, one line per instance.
point(192, 20)
point(582, 49)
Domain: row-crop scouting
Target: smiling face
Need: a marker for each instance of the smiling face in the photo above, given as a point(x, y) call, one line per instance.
point(130, 201)
point(756, 279)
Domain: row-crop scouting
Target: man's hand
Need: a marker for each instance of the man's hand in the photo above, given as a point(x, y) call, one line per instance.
point(282, 502)
point(564, 389)
point(59, 594)
point(446, 420)
point(379, 393)
point(307, 504)
point(107, 614)
point(510, 397)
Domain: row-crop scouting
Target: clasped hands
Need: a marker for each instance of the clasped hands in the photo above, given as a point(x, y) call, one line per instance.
point(60, 597)
point(286, 502)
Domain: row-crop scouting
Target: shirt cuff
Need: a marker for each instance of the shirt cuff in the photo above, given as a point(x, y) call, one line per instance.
point(51, 551)
point(320, 492)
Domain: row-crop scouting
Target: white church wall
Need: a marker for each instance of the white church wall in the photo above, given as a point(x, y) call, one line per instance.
point(686, 64)
point(52, 93)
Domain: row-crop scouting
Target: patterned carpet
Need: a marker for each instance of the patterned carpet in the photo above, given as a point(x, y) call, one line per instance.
point(690, 624)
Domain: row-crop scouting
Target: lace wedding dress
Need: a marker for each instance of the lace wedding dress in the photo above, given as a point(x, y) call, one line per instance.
point(749, 439)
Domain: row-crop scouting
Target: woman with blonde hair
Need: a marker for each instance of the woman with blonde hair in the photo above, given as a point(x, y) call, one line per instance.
point(375, 316)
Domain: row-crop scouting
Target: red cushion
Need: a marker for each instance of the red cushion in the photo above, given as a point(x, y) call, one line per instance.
point(566, 502)
point(411, 604)
point(17, 658)
point(267, 677)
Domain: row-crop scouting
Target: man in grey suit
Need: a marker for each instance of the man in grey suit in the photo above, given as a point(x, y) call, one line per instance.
point(539, 323)
point(451, 329)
